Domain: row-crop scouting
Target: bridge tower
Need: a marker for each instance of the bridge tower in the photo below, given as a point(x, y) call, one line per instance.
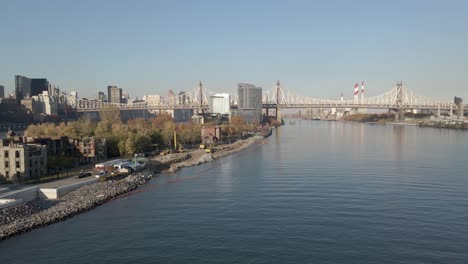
point(278, 110)
point(400, 102)
point(200, 88)
point(199, 100)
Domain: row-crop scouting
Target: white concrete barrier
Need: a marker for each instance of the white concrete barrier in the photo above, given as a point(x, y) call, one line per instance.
point(55, 193)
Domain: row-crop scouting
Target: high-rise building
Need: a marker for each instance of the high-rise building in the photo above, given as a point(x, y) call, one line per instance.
point(26, 87)
point(22, 87)
point(102, 96)
point(250, 96)
point(220, 103)
point(2, 91)
point(114, 94)
point(249, 103)
point(38, 86)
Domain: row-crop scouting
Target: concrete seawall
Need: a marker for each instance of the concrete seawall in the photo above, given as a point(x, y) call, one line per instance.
point(26, 194)
point(55, 193)
point(4, 203)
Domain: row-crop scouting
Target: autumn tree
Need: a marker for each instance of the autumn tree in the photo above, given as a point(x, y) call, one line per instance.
point(160, 119)
point(238, 121)
point(167, 133)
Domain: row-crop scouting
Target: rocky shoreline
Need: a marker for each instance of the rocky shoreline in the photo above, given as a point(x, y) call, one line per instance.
point(37, 213)
point(220, 151)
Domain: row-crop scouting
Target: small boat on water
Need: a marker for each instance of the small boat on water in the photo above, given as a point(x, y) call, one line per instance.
point(292, 122)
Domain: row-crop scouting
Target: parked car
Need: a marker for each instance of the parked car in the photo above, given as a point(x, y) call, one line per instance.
point(101, 174)
point(83, 175)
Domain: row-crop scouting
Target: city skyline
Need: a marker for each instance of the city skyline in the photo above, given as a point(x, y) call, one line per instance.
point(316, 49)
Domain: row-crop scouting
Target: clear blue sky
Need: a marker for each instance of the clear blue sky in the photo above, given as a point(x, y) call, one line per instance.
point(317, 48)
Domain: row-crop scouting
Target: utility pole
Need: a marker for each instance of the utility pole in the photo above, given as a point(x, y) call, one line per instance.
point(175, 140)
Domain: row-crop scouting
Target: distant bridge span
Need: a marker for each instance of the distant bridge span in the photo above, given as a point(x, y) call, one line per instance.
point(398, 98)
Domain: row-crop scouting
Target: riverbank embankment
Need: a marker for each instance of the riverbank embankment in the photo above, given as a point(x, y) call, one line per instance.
point(200, 156)
point(42, 212)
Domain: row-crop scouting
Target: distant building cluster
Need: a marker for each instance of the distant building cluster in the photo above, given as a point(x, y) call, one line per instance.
point(36, 100)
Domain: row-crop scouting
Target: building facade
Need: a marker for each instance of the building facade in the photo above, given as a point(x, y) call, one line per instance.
point(39, 86)
point(92, 149)
point(249, 103)
point(2, 91)
point(102, 97)
point(220, 103)
point(22, 87)
point(48, 104)
point(23, 161)
point(26, 87)
point(250, 96)
point(182, 115)
point(114, 94)
point(251, 116)
point(153, 99)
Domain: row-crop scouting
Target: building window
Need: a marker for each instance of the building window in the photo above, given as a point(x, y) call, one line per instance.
point(7, 164)
point(17, 164)
point(6, 153)
point(6, 174)
point(17, 154)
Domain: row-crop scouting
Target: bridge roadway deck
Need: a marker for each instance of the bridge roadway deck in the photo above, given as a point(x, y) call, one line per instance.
point(343, 106)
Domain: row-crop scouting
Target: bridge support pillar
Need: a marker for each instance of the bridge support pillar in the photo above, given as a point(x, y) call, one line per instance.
point(461, 110)
point(401, 114)
point(400, 110)
point(278, 115)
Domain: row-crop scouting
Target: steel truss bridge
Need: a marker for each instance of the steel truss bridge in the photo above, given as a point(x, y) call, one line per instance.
point(397, 98)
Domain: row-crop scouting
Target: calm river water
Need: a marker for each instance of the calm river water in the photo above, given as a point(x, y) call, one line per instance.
point(317, 192)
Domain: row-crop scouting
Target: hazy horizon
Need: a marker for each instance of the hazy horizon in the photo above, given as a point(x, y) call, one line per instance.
point(317, 49)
